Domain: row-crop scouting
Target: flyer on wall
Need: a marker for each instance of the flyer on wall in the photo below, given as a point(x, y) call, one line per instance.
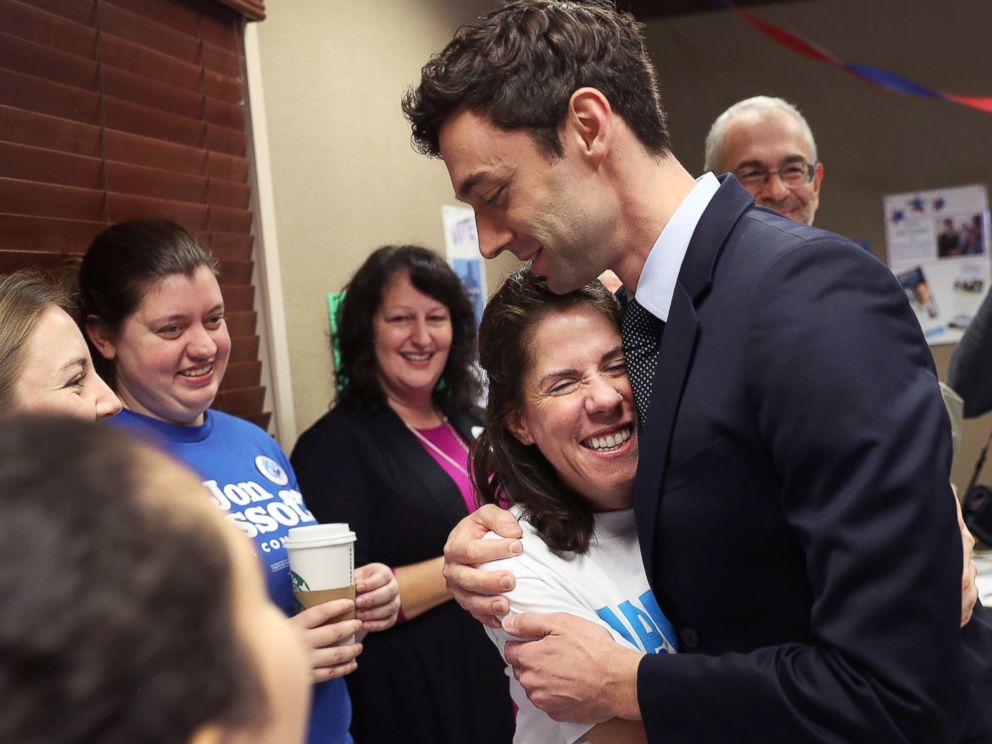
point(938, 246)
point(461, 244)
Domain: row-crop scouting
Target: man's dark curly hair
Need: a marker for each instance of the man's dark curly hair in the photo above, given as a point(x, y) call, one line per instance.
point(519, 65)
point(358, 375)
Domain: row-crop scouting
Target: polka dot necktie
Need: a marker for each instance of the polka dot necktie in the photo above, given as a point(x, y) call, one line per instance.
point(641, 332)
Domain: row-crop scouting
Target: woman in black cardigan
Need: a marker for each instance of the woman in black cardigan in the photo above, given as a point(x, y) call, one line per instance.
point(391, 460)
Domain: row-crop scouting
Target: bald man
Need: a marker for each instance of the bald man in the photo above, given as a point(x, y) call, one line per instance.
point(768, 145)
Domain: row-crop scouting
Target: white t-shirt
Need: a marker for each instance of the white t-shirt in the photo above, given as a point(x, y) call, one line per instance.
point(606, 585)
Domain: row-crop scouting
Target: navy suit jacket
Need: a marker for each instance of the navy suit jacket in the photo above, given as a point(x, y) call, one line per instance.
point(793, 504)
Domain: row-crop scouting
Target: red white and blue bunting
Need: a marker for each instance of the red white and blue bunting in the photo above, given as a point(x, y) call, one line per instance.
point(875, 75)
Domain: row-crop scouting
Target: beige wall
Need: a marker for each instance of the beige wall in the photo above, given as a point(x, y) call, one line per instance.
point(344, 176)
point(873, 142)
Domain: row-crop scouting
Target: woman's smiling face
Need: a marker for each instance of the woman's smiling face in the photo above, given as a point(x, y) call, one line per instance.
point(578, 407)
point(412, 339)
point(58, 375)
point(171, 353)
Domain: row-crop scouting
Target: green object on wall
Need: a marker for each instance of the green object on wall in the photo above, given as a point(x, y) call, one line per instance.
point(334, 300)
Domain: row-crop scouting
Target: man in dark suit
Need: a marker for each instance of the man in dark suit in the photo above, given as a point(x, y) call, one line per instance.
point(793, 435)
point(769, 146)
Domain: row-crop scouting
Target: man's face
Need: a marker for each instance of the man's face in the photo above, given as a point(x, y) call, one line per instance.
point(755, 142)
point(541, 211)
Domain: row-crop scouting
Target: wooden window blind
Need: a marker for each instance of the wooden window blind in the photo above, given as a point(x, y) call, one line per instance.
point(113, 110)
point(251, 9)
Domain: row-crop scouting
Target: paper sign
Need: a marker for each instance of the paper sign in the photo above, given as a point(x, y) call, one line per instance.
point(461, 243)
point(938, 247)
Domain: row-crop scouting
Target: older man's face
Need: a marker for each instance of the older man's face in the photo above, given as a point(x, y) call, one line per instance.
point(772, 159)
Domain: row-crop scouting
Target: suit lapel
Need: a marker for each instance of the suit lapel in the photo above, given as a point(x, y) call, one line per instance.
point(677, 348)
point(674, 361)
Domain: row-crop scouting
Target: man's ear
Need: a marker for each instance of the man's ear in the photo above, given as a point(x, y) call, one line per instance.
point(518, 428)
point(589, 123)
point(101, 337)
point(818, 178)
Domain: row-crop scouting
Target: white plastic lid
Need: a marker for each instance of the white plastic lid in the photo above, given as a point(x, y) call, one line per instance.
point(318, 535)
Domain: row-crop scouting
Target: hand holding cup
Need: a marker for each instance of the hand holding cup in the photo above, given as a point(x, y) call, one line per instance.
point(330, 639)
point(378, 600)
point(322, 566)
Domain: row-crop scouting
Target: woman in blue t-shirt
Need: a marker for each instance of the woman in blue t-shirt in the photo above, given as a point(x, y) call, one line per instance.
point(154, 314)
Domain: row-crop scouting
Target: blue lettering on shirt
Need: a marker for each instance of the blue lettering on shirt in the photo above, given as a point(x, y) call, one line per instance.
point(609, 617)
point(652, 629)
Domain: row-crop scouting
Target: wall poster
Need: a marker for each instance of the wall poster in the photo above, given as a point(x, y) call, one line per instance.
point(938, 247)
point(461, 245)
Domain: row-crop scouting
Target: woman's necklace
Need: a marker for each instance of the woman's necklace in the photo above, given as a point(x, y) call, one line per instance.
point(440, 452)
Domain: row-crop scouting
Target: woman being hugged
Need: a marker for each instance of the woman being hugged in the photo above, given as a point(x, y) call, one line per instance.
point(391, 459)
point(154, 312)
point(560, 445)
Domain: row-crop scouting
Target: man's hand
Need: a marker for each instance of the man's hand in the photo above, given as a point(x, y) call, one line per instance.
point(329, 656)
point(473, 588)
point(573, 670)
point(378, 599)
point(969, 586)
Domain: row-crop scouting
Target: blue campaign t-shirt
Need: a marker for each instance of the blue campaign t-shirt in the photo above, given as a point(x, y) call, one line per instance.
point(250, 479)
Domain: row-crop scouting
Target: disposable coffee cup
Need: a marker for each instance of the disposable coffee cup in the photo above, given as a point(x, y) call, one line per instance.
point(322, 564)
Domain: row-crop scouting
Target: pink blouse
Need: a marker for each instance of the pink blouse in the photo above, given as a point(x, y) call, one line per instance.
point(443, 437)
